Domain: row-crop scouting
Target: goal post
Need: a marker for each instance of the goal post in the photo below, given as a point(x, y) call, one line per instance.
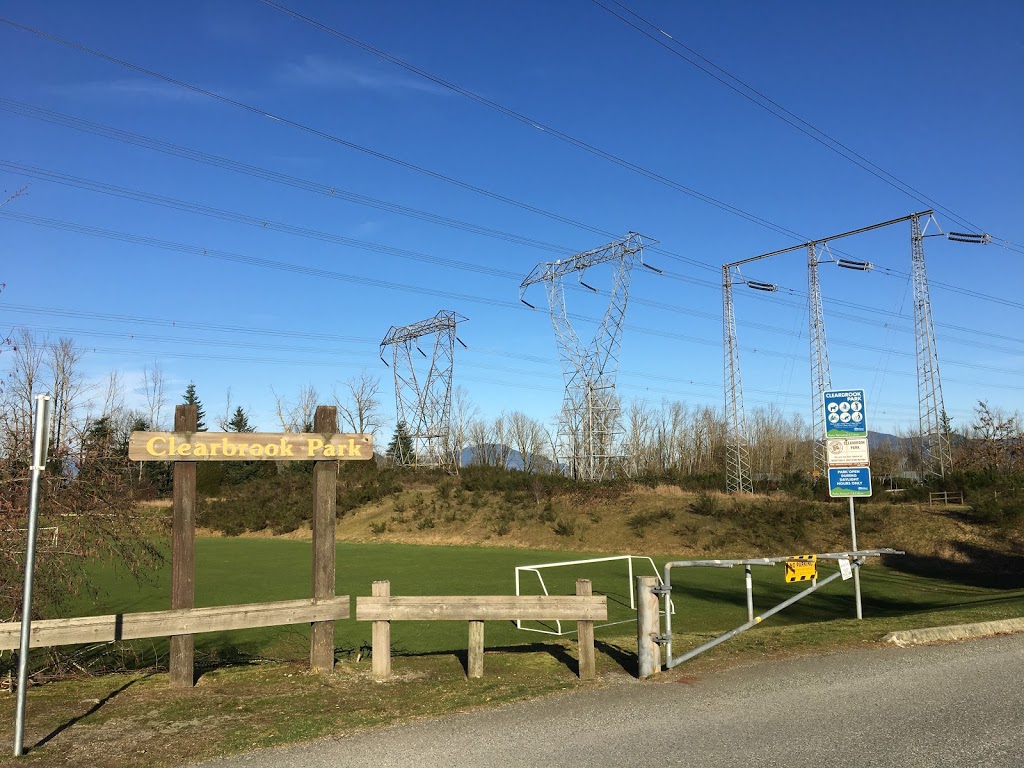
point(620, 579)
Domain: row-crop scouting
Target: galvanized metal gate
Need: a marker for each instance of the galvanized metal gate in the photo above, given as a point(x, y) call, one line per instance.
point(650, 638)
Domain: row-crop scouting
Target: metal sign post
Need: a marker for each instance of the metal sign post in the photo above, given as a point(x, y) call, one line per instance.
point(849, 463)
point(39, 450)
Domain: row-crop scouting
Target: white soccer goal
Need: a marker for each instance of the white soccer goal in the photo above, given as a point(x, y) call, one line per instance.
point(621, 587)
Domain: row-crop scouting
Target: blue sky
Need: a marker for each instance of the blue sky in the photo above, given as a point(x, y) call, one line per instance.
point(929, 92)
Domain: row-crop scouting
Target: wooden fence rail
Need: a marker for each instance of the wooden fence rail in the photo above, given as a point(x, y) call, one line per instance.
point(185, 621)
point(381, 608)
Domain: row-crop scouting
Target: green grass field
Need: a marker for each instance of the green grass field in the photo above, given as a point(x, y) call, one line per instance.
point(707, 600)
point(96, 719)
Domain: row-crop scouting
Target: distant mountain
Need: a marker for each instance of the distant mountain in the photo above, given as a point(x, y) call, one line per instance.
point(476, 454)
point(885, 440)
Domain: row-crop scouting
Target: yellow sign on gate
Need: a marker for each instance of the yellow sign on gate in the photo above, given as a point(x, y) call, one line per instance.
point(802, 568)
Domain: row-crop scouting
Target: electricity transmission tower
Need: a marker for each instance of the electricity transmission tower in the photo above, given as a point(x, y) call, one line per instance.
point(821, 372)
point(936, 456)
point(737, 448)
point(589, 423)
point(423, 399)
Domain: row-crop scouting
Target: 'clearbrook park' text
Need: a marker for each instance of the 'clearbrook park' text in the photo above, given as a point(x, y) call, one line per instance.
point(209, 446)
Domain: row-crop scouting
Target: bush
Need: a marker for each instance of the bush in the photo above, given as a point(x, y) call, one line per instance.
point(565, 527)
point(639, 522)
point(706, 505)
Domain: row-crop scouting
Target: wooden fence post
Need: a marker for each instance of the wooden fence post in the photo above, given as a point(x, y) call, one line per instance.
point(475, 654)
point(325, 491)
point(585, 636)
point(183, 551)
point(648, 626)
point(381, 637)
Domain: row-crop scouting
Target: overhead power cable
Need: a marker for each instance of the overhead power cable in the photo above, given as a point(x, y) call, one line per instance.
point(311, 130)
point(328, 190)
point(367, 150)
point(658, 35)
point(537, 124)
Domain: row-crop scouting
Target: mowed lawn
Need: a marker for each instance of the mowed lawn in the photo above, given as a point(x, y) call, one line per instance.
point(707, 600)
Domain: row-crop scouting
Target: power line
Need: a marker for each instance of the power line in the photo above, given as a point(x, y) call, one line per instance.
point(536, 124)
point(763, 101)
point(374, 282)
point(327, 190)
point(309, 129)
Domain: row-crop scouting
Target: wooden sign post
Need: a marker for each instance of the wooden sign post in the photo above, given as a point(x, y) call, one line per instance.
point(325, 496)
point(186, 448)
point(183, 551)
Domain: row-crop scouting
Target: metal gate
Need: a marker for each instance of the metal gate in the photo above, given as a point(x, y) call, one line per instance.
point(651, 639)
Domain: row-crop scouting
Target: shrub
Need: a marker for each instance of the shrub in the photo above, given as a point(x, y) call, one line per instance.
point(565, 527)
point(706, 505)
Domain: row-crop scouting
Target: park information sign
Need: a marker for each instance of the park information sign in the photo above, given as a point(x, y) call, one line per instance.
point(846, 433)
point(849, 481)
point(848, 452)
point(844, 413)
point(248, 446)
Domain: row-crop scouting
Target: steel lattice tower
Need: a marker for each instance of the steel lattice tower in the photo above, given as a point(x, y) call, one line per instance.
point(737, 450)
point(936, 457)
point(589, 423)
point(424, 400)
point(821, 375)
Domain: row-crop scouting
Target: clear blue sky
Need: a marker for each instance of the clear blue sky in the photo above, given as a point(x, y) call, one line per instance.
point(927, 91)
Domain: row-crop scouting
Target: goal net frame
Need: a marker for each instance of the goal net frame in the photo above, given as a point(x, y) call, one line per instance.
point(536, 569)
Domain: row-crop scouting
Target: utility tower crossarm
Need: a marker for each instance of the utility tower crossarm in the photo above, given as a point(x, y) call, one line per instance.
point(442, 321)
point(632, 243)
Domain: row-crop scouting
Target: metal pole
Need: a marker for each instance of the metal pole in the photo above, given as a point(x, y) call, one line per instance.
point(752, 623)
point(648, 651)
point(750, 594)
point(39, 450)
point(666, 583)
point(856, 562)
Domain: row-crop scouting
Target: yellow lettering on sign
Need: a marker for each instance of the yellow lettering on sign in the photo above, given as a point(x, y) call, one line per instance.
point(286, 450)
point(313, 445)
point(353, 449)
point(151, 446)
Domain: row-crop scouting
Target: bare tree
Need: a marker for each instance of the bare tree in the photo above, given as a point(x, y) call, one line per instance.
point(359, 404)
point(24, 383)
point(154, 386)
point(526, 435)
point(67, 387)
point(640, 439)
point(464, 411)
point(225, 419)
point(298, 416)
point(481, 440)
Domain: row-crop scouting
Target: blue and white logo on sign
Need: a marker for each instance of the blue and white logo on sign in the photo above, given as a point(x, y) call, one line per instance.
point(844, 413)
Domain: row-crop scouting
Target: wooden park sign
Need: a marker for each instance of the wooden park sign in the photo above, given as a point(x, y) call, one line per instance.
point(248, 446)
point(186, 447)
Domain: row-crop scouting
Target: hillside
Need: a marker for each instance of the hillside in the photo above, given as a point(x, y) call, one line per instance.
point(664, 520)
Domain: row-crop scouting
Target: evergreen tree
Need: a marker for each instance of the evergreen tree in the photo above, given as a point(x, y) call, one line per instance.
point(190, 398)
point(240, 422)
point(238, 472)
point(400, 448)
